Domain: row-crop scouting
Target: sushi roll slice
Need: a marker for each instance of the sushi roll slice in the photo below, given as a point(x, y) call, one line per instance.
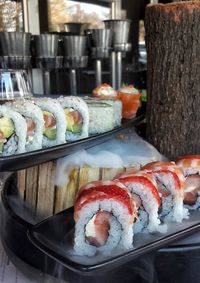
point(54, 121)
point(101, 117)
point(77, 117)
point(143, 189)
point(104, 91)
point(170, 182)
point(116, 104)
point(12, 132)
point(191, 169)
point(104, 215)
point(34, 119)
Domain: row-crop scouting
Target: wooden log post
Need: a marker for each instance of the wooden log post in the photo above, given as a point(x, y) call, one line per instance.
point(173, 54)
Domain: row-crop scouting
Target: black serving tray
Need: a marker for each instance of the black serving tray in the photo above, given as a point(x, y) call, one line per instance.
point(29, 159)
point(54, 236)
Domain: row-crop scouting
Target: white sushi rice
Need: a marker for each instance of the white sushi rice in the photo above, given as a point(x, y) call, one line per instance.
point(54, 107)
point(78, 104)
point(141, 224)
point(115, 103)
point(194, 206)
point(120, 235)
point(117, 108)
point(101, 118)
point(150, 205)
point(173, 208)
point(15, 144)
point(190, 170)
point(29, 110)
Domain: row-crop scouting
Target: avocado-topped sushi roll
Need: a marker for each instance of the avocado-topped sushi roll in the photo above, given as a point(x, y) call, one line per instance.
point(77, 117)
point(12, 132)
point(34, 119)
point(54, 121)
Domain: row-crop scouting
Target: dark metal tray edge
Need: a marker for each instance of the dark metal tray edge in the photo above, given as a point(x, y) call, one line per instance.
point(115, 261)
point(36, 157)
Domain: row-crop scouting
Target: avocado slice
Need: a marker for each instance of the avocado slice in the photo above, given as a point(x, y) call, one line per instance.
point(47, 113)
point(6, 127)
point(76, 128)
point(71, 125)
point(50, 134)
point(1, 147)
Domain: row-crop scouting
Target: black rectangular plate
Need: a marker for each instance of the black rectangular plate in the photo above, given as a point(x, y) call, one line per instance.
point(54, 236)
point(29, 159)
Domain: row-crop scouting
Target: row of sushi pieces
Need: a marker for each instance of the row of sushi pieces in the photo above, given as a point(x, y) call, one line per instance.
point(107, 214)
point(27, 125)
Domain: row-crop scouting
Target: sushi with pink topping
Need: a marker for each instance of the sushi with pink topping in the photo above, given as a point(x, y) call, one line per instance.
point(144, 191)
point(104, 215)
point(191, 168)
point(170, 181)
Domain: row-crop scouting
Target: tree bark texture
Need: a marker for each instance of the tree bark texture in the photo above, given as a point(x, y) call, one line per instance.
point(173, 77)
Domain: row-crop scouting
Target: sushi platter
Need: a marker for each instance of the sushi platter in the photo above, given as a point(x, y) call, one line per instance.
point(58, 243)
point(32, 158)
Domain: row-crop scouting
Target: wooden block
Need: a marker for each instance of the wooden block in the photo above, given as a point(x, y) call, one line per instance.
point(72, 188)
point(110, 173)
point(88, 174)
point(45, 197)
point(31, 187)
point(21, 183)
point(133, 169)
point(64, 196)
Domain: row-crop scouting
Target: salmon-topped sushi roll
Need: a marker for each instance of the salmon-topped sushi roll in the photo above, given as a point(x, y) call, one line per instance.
point(144, 191)
point(191, 168)
point(170, 181)
point(105, 91)
point(104, 215)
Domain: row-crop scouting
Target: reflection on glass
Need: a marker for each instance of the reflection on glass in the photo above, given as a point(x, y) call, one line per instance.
point(65, 11)
point(14, 84)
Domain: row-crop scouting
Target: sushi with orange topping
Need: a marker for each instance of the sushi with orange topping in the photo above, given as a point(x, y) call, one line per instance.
point(130, 98)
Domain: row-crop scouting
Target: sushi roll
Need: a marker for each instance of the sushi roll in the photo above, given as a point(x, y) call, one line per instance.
point(104, 215)
point(170, 182)
point(77, 117)
point(12, 132)
point(101, 117)
point(130, 97)
point(143, 189)
point(116, 104)
point(54, 121)
point(191, 169)
point(34, 119)
point(104, 91)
